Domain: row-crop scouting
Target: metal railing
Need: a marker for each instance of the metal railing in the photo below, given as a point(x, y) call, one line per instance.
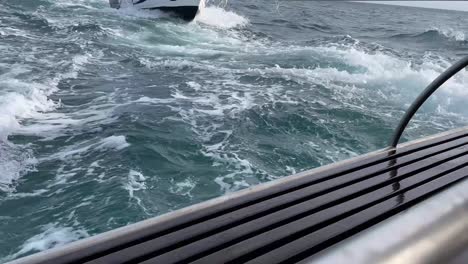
point(430, 89)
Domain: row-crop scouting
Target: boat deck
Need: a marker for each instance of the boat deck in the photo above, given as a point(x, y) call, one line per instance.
point(289, 220)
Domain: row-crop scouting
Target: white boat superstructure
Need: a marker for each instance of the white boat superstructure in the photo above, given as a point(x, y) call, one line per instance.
point(186, 9)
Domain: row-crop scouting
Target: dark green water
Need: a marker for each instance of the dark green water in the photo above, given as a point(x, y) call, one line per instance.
point(111, 117)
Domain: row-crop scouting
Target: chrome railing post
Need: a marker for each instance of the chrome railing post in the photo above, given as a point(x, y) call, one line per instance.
point(458, 66)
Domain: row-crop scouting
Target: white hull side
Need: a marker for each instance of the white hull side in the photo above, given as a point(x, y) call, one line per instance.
point(165, 3)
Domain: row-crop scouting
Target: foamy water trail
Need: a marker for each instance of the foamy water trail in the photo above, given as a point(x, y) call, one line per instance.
point(357, 79)
point(24, 110)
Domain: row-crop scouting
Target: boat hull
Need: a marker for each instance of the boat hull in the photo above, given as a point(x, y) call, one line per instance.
point(185, 9)
point(187, 13)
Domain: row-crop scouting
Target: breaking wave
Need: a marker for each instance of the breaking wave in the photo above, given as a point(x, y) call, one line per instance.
point(52, 235)
point(436, 34)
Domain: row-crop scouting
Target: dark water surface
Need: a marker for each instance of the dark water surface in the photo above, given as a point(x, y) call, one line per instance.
point(111, 117)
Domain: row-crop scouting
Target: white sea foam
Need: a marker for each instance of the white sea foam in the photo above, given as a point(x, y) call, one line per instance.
point(71, 156)
point(220, 18)
point(30, 194)
point(21, 100)
point(113, 142)
point(354, 74)
point(146, 99)
point(14, 161)
point(236, 180)
point(451, 33)
point(386, 72)
point(89, 4)
point(52, 235)
point(183, 187)
point(86, 147)
point(194, 85)
point(15, 106)
point(371, 69)
point(9, 31)
point(136, 182)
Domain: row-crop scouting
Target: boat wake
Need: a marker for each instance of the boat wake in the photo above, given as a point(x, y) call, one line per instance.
point(436, 34)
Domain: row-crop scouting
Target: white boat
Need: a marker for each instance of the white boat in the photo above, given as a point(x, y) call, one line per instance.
point(186, 9)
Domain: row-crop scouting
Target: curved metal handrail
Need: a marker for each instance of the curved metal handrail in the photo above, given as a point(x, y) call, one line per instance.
point(430, 89)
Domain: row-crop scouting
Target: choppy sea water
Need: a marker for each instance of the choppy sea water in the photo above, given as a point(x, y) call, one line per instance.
point(110, 117)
